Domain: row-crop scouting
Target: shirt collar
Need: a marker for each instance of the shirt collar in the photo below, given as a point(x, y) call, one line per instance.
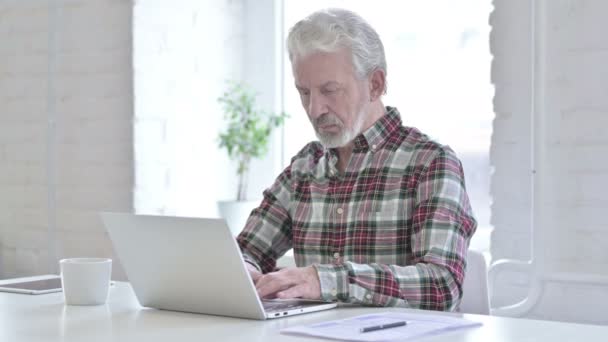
point(376, 136)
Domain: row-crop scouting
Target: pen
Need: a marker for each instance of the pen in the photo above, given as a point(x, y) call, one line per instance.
point(383, 326)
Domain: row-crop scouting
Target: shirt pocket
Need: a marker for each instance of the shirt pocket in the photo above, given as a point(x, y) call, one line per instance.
point(377, 236)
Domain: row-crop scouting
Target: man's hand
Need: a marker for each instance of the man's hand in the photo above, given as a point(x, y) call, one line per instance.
point(290, 282)
point(253, 272)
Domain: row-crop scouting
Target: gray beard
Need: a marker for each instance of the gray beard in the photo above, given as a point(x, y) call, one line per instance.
point(345, 136)
point(336, 140)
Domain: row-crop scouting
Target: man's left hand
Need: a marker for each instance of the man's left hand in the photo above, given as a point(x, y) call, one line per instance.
point(290, 282)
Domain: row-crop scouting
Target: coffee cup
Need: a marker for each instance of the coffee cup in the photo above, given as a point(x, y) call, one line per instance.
point(85, 281)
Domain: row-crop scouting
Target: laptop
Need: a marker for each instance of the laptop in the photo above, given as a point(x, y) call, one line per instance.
point(192, 265)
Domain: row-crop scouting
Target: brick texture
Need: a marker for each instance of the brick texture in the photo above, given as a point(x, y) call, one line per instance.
point(65, 130)
point(573, 92)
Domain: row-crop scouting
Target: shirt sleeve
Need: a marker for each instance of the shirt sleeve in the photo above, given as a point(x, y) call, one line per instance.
point(442, 224)
point(267, 233)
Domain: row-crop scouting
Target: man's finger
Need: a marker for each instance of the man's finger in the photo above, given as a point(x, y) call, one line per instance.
point(264, 280)
point(270, 284)
point(255, 277)
point(284, 277)
point(297, 291)
point(253, 272)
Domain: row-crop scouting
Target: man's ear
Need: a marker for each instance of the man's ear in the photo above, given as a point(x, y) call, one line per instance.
point(377, 82)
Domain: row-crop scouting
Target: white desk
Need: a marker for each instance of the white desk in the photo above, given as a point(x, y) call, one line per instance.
point(27, 318)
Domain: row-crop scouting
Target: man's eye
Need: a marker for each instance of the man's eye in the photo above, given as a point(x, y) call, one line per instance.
point(329, 91)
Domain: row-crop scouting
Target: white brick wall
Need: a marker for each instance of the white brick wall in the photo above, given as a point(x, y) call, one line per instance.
point(87, 47)
point(573, 93)
point(510, 152)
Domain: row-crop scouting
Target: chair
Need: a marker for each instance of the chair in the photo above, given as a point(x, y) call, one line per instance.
point(475, 295)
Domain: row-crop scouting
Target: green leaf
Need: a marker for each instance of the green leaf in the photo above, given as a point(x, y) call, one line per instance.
point(248, 128)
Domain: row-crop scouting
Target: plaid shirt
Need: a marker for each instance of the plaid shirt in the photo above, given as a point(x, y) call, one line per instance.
point(392, 230)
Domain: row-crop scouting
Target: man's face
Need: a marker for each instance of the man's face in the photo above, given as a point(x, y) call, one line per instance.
point(334, 99)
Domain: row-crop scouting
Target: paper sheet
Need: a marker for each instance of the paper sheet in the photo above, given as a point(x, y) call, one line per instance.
point(350, 329)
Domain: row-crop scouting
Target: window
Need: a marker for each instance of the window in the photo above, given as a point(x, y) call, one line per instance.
point(439, 63)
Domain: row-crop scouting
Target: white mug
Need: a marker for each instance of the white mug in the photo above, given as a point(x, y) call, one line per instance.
point(85, 281)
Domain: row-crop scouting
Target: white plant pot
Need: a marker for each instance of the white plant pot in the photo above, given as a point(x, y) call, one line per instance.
point(236, 213)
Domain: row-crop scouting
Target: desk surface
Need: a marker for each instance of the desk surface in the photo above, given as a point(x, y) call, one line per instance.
point(26, 318)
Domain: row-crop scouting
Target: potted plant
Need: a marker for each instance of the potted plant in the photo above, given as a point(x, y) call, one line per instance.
point(245, 137)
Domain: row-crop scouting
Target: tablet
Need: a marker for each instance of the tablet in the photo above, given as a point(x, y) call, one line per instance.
point(38, 286)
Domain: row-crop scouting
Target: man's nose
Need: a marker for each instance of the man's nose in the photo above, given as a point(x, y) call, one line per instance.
point(316, 106)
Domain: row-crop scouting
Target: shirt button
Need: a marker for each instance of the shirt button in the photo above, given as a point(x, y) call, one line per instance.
point(368, 296)
point(339, 211)
point(374, 147)
point(336, 255)
point(334, 292)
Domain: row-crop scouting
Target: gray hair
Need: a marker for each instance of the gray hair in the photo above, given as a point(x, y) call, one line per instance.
point(331, 29)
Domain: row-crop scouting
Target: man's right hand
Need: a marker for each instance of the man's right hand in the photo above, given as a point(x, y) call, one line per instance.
point(253, 272)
